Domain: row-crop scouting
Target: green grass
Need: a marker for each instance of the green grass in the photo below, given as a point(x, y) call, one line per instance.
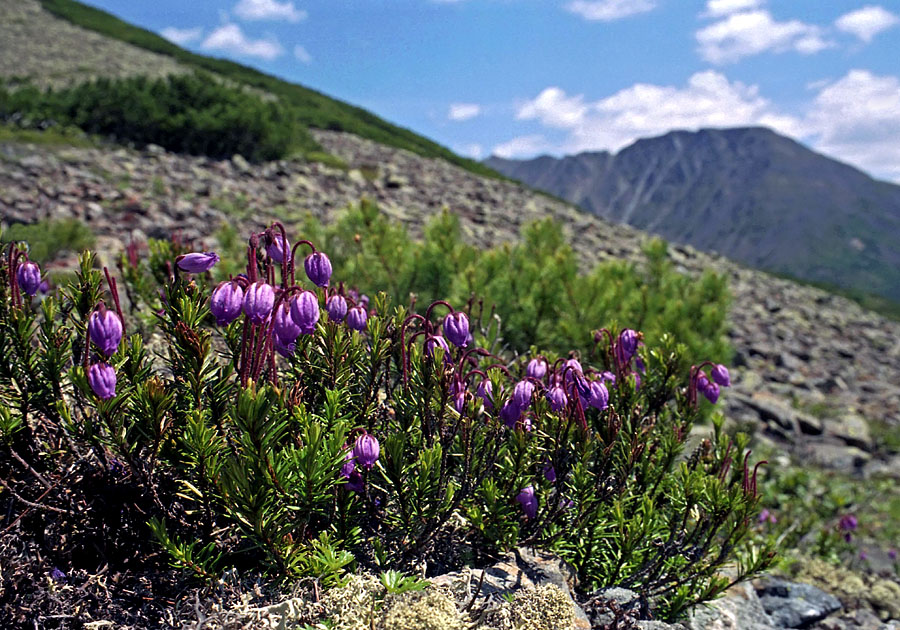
point(47, 137)
point(877, 303)
point(50, 238)
point(314, 109)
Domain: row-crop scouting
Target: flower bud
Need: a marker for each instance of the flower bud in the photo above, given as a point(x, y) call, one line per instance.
point(283, 323)
point(102, 379)
point(277, 247)
point(549, 472)
point(28, 275)
point(258, 302)
point(528, 501)
point(305, 312)
point(318, 269)
point(557, 398)
point(522, 394)
point(356, 318)
point(608, 377)
point(336, 306)
point(225, 302)
point(197, 262)
point(537, 368)
point(105, 330)
point(366, 450)
point(349, 464)
point(720, 375)
point(456, 328)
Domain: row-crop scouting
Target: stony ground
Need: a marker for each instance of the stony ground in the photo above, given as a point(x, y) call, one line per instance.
point(816, 375)
point(37, 45)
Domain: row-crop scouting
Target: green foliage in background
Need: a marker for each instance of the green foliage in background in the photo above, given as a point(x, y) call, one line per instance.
point(187, 113)
point(309, 108)
point(49, 238)
point(534, 285)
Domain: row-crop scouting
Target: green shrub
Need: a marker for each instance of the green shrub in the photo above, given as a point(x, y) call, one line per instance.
point(534, 286)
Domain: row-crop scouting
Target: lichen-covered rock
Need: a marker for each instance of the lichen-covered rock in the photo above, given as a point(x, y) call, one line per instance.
point(533, 608)
point(853, 589)
point(432, 609)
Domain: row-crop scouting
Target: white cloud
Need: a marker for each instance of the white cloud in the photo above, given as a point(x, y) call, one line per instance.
point(522, 146)
point(609, 10)
point(708, 100)
point(268, 10)
point(857, 120)
point(230, 38)
point(752, 32)
point(181, 36)
point(718, 8)
point(473, 150)
point(302, 55)
point(463, 111)
point(867, 22)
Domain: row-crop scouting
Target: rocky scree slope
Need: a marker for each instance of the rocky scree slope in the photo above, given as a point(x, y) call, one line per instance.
point(758, 197)
point(798, 349)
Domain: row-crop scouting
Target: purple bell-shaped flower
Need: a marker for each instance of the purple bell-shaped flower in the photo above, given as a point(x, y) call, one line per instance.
point(318, 269)
point(556, 397)
point(197, 262)
point(456, 328)
point(283, 323)
point(627, 346)
point(356, 318)
point(336, 307)
point(537, 368)
point(284, 347)
point(258, 302)
point(226, 301)
point(599, 398)
point(105, 329)
point(28, 276)
point(522, 394)
point(436, 341)
point(305, 312)
point(527, 499)
point(366, 450)
point(510, 413)
point(277, 248)
point(102, 379)
point(720, 375)
point(485, 391)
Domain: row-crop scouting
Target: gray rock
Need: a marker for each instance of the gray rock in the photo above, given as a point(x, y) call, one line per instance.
point(739, 609)
point(794, 605)
point(852, 429)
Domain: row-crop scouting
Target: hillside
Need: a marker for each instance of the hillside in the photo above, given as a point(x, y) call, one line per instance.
point(62, 41)
point(749, 194)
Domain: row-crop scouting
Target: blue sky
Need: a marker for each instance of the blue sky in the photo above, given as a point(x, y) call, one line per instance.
point(524, 77)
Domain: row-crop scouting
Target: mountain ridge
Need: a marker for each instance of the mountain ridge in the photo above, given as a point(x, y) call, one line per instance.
point(747, 193)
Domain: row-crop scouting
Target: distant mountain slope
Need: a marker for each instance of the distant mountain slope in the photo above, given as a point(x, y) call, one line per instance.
point(749, 194)
point(314, 108)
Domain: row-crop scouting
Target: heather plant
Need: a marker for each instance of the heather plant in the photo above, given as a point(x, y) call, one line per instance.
point(277, 420)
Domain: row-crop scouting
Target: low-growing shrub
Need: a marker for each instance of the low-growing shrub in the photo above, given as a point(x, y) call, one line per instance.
point(299, 428)
point(50, 238)
point(195, 114)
